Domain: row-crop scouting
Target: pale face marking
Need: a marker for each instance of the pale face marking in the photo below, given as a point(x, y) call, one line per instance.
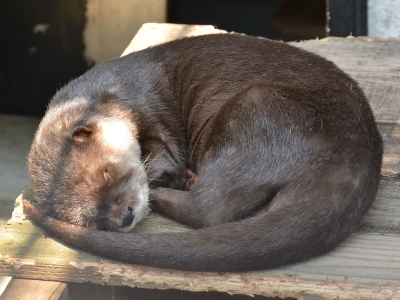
point(117, 135)
point(141, 210)
point(120, 138)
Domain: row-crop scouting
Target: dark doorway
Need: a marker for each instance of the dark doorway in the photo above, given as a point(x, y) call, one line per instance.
point(42, 49)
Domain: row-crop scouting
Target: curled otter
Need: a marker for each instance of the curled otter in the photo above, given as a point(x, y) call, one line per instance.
point(270, 152)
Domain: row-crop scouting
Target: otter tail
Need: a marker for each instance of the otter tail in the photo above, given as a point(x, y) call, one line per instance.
point(293, 231)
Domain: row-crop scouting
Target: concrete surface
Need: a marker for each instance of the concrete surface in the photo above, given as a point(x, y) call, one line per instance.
point(16, 134)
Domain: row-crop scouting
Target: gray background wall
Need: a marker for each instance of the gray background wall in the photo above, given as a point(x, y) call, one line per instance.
point(384, 18)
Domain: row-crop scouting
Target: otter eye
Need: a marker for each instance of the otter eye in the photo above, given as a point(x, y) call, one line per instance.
point(107, 177)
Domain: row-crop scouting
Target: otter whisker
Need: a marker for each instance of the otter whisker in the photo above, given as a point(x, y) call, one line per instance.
point(153, 179)
point(146, 160)
point(150, 161)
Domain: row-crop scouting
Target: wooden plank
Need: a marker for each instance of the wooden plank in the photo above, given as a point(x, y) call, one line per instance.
point(300, 279)
point(367, 258)
point(382, 93)
point(391, 156)
point(384, 213)
point(22, 289)
point(152, 33)
point(361, 55)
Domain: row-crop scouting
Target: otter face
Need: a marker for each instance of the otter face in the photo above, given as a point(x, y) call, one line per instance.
point(90, 175)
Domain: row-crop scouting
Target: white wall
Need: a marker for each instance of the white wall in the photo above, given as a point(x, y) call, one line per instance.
point(111, 24)
point(384, 18)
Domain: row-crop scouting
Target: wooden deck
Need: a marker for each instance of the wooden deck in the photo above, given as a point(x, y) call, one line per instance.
point(366, 266)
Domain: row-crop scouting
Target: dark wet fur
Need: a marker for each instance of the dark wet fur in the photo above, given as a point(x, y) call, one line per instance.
point(284, 145)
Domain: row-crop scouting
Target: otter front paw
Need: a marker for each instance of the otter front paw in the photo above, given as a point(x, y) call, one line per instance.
point(168, 201)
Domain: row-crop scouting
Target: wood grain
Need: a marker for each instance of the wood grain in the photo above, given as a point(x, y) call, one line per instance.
point(391, 155)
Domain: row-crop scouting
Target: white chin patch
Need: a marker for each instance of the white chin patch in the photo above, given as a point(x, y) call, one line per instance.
point(120, 137)
point(141, 210)
point(128, 228)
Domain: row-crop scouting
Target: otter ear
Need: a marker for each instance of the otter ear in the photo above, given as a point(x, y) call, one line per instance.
point(81, 135)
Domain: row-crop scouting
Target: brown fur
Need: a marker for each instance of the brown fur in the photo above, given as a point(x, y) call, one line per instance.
point(278, 143)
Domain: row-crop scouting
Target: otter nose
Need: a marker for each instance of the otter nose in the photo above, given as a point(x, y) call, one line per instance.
point(128, 219)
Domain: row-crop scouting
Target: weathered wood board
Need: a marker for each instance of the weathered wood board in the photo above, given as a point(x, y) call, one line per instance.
point(20, 289)
point(366, 266)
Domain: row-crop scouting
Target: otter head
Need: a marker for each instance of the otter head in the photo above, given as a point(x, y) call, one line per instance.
point(86, 168)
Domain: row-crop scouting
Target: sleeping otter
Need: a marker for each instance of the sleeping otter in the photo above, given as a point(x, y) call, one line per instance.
point(279, 149)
